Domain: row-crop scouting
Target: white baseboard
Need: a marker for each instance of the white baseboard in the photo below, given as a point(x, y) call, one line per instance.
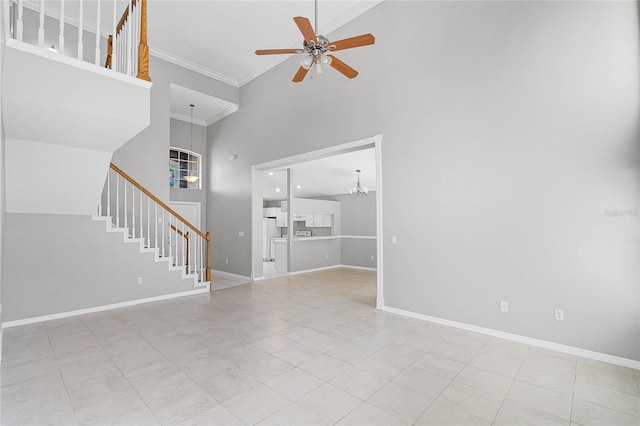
point(324, 268)
point(611, 359)
point(60, 315)
point(360, 268)
point(230, 275)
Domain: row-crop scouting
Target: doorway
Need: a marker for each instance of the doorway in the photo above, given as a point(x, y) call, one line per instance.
point(258, 176)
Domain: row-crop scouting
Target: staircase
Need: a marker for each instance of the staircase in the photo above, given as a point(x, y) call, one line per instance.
point(142, 218)
point(172, 263)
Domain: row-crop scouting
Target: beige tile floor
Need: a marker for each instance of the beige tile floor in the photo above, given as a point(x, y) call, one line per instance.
point(302, 350)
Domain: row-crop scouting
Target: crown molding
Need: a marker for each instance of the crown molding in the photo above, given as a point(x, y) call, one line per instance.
point(187, 119)
point(223, 114)
point(209, 121)
point(185, 63)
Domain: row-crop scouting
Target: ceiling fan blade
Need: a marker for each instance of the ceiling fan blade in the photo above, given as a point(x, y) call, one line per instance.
point(306, 29)
point(342, 67)
point(348, 43)
point(278, 51)
point(302, 72)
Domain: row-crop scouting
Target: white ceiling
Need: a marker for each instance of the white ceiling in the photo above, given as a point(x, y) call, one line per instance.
point(326, 176)
point(207, 109)
point(217, 38)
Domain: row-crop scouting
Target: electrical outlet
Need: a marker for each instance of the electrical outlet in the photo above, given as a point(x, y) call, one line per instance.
point(160, 220)
point(504, 306)
point(226, 261)
point(559, 315)
point(371, 257)
point(327, 255)
point(394, 240)
point(139, 280)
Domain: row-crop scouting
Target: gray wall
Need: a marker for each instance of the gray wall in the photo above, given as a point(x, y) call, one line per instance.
point(77, 266)
point(315, 254)
point(508, 129)
point(181, 138)
point(145, 157)
point(358, 217)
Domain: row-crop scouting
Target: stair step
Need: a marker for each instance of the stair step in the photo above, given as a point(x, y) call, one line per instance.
point(127, 238)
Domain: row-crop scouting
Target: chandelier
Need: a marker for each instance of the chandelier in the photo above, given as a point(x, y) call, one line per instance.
point(359, 190)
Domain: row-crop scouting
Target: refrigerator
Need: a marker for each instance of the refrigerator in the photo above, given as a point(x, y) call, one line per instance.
point(269, 231)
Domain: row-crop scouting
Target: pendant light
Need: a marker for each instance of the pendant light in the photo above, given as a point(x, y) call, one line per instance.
point(358, 191)
point(190, 178)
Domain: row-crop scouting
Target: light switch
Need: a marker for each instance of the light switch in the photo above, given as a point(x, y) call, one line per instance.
point(394, 240)
point(240, 234)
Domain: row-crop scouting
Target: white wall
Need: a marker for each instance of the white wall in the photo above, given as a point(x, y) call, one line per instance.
point(508, 129)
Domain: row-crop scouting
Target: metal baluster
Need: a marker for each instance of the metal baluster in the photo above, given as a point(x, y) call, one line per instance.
point(184, 251)
point(114, 44)
point(126, 214)
point(164, 224)
point(155, 232)
point(149, 222)
point(19, 22)
point(117, 201)
point(97, 54)
point(141, 222)
point(203, 278)
point(109, 192)
point(129, 42)
point(61, 35)
point(41, 27)
point(81, 31)
point(133, 210)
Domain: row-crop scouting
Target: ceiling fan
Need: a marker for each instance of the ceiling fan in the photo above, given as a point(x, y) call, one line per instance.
point(318, 48)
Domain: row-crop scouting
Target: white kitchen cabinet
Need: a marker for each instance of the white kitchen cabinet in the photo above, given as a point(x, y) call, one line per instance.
point(269, 211)
point(299, 217)
point(308, 220)
point(318, 220)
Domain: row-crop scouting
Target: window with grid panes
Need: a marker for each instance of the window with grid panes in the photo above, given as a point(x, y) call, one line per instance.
point(183, 163)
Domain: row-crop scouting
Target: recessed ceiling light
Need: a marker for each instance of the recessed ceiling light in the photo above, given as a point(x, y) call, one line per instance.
point(298, 187)
point(277, 189)
point(270, 173)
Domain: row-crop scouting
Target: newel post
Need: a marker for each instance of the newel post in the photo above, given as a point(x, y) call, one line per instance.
point(143, 48)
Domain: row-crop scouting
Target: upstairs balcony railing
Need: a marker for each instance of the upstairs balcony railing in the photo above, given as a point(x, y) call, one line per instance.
point(125, 49)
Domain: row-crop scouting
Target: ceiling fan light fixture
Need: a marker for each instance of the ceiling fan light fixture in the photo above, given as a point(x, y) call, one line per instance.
point(318, 68)
point(306, 62)
point(325, 60)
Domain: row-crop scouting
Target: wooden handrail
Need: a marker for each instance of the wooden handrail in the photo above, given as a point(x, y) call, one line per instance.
point(132, 181)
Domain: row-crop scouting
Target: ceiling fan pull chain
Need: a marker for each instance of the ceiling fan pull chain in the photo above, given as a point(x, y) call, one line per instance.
point(317, 17)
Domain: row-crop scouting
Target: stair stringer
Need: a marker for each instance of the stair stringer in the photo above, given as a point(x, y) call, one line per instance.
point(127, 239)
